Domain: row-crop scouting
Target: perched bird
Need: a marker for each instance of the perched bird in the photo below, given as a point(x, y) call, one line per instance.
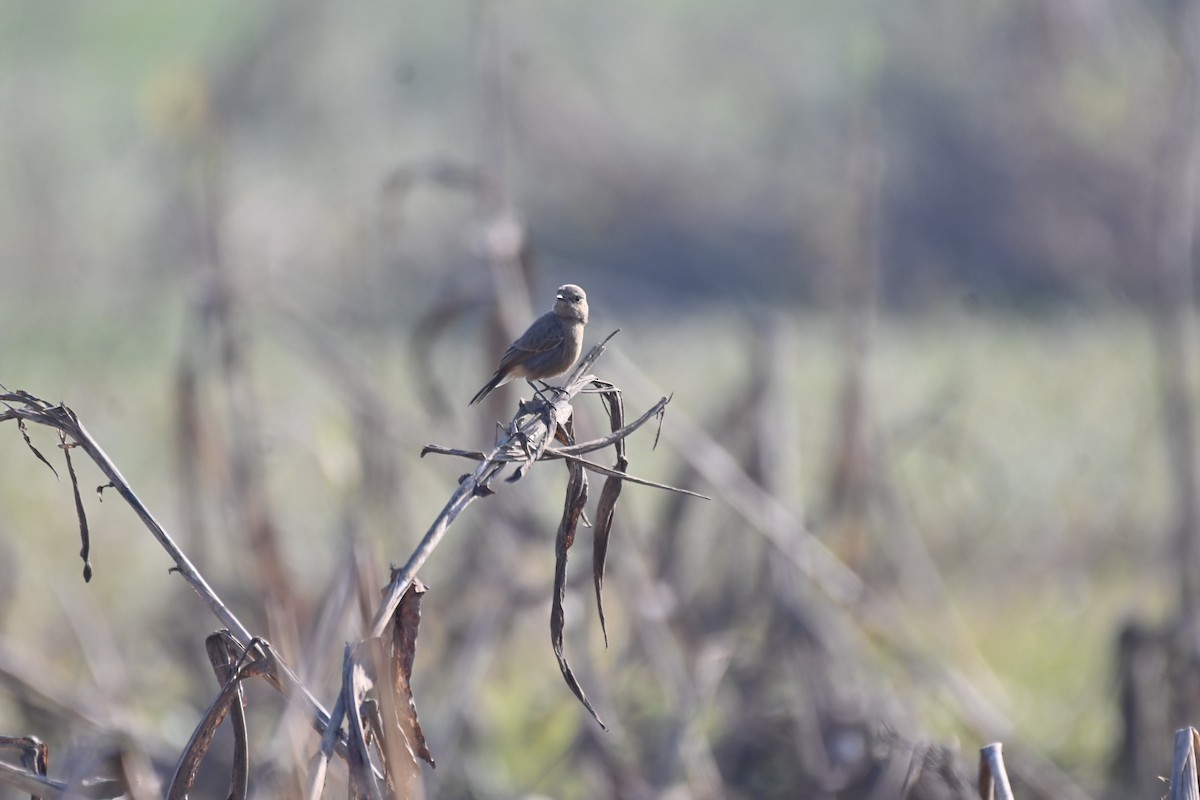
point(548, 347)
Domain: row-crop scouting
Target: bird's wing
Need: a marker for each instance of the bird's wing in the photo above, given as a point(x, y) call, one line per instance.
point(545, 334)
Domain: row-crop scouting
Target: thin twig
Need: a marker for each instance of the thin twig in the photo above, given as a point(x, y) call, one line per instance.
point(573, 450)
point(554, 453)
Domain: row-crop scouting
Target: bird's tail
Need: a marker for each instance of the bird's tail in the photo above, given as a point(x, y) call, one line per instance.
point(492, 383)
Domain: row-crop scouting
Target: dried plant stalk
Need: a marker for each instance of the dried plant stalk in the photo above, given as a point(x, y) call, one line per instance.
point(26, 408)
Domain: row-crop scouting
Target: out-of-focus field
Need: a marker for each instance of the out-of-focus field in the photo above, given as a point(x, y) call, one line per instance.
point(1026, 454)
point(994, 186)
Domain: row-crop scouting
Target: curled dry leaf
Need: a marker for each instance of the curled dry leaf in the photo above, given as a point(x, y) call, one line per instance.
point(221, 649)
point(224, 654)
point(404, 649)
point(29, 443)
point(85, 548)
point(608, 498)
point(577, 492)
point(605, 509)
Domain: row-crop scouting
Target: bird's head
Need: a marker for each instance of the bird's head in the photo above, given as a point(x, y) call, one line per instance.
point(571, 303)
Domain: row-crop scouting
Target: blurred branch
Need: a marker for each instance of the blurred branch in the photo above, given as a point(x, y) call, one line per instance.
point(1178, 156)
point(993, 778)
point(33, 682)
point(762, 510)
point(221, 312)
point(853, 459)
point(42, 787)
point(504, 237)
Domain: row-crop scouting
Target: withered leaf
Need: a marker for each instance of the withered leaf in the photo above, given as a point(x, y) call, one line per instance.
point(224, 653)
point(86, 546)
point(576, 497)
point(608, 497)
point(202, 736)
point(605, 509)
point(29, 443)
point(405, 623)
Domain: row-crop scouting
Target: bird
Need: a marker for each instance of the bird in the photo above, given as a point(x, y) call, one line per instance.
point(548, 347)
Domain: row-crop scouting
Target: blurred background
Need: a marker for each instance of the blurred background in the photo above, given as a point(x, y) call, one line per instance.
point(918, 275)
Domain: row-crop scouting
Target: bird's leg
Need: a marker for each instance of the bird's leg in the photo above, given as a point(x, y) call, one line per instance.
point(540, 393)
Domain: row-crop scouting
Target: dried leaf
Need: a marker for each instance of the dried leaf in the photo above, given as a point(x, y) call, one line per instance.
point(605, 509)
point(86, 547)
point(572, 510)
point(615, 406)
point(29, 443)
point(406, 621)
point(224, 653)
point(398, 731)
point(662, 415)
point(608, 501)
point(201, 741)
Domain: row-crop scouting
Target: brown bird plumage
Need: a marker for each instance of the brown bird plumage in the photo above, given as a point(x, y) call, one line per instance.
point(548, 347)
